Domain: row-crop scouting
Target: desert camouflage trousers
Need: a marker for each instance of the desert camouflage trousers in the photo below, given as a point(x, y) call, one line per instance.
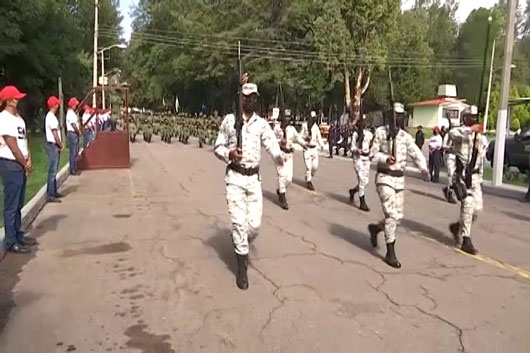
point(362, 170)
point(471, 205)
point(285, 172)
point(392, 202)
point(311, 163)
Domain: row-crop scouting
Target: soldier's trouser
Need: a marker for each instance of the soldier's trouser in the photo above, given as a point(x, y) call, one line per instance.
point(311, 163)
point(362, 169)
point(245, 207)
point(450, 164)
point(285, 172)
point(392, 204)
point(471, 205)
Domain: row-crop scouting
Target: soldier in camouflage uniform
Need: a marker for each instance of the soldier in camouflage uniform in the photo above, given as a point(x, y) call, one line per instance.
point(360, 148)
point(462, 139)
point(390, 177)
point(450, 164)
point(311, 134)
point(243, 184)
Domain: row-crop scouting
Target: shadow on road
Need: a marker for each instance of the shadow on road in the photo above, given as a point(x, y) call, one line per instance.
point(345, 199)
point(46, 225)
point(517, 216)
point(222, 243)
point(271, 196)
point(70, 189)
point(355, 237)
point(301, 183)
point(429, 232)
point(427, 194)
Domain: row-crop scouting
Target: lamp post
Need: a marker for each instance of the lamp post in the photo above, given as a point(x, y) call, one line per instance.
point(102, 52)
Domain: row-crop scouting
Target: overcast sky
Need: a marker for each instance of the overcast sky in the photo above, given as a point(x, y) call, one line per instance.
point(466, 6)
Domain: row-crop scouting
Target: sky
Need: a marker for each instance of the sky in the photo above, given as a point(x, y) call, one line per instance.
point(465, 8)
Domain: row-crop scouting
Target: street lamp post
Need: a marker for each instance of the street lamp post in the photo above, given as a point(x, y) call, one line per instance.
point(102, 52)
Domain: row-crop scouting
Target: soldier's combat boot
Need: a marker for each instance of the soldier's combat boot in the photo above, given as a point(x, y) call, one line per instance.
point(449, 195)
point(310, 186)
point(390, 257)
point(353, 192)
point(242, 279)
point(455, 230)
point(374, 229)
point(363, 206)
point(283, 201)
point(467, 246)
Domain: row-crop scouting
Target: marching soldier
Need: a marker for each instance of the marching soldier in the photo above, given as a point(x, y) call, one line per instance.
point(287, 136)
point(360, 147)
point(450, 164)
point(311, 134)
point(391, 147)
point(467, 146)
point(243, 183)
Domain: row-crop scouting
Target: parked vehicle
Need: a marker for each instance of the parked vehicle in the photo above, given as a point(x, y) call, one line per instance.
point(516, 152)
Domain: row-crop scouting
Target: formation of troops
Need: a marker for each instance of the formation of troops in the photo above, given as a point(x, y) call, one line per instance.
point(240, 140)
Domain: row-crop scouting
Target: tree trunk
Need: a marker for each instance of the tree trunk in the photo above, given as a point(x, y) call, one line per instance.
point(347, 91)
point(362, 81)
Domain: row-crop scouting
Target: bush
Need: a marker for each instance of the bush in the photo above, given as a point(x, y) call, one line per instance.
point(515, 124)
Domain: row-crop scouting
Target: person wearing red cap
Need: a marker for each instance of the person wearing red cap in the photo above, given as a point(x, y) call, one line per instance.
point(73, 133)
point(54, 147)
point(435, 155)
point(87, 119)
point(15, 165)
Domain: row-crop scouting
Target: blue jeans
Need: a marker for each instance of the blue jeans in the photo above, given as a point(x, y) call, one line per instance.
point(53, 165)
point(88, 136)
point(73, 144)
point(14, 179)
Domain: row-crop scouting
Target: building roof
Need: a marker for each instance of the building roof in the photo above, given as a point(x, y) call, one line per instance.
point(438, 101)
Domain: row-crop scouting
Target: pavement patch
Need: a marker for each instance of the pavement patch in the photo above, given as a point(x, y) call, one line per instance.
point(147, 342)
point(99, 250)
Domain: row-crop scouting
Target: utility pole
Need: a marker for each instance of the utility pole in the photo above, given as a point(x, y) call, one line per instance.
point(486, 112)
point(479, 105)
point(102, 79)
point(498, 159)
point(95, 66)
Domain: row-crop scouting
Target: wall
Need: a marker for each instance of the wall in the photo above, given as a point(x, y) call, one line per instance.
point(427, 116)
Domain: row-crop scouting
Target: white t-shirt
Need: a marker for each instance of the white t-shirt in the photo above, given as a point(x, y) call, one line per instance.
point(86, 116)
point(15, 126)
point(435, 142)
point(51, 123)
point(71, 118)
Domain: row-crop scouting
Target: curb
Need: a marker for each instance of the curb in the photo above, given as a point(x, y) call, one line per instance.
point(35, 205)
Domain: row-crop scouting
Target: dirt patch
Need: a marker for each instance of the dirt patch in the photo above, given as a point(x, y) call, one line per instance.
point(112, 248)
point(147, 342)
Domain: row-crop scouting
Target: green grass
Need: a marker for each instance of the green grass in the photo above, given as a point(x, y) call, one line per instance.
point(512, 177)
point(39, 175)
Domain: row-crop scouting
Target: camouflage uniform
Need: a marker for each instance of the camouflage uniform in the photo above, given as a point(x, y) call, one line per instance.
point(390, 188)
point(450, 164)
point(243, 193)
point(361, 159)
point(314, 144)
point(285, 171)
point(462, 140)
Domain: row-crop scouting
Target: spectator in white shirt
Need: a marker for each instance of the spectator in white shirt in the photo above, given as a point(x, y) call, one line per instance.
point(54, 147)
point(435, 155)
point(73, 133)
point(88, 118)
point(15, 166)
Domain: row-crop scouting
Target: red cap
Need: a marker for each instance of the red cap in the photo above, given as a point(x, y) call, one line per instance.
point(437, 129)
point(87, 108)
point(11, 92)
point(53, 101)
point(73, 102)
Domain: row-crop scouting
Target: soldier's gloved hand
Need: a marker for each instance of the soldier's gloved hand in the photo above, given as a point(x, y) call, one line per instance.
point(279, 160)
point(391, 160)
point(425, 174)
point(235, 155)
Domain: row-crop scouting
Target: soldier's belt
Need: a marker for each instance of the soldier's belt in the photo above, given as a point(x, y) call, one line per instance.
point(311, 146)
point(393, 173)
point(287, 150)
point(242, 170)
point(365, 154)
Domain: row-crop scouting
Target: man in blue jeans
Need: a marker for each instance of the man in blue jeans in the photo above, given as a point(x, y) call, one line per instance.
point(73, 133)
point(15, 165)
point(54, 147)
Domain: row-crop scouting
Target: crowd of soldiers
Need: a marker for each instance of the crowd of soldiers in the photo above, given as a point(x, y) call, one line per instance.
point(181, 127)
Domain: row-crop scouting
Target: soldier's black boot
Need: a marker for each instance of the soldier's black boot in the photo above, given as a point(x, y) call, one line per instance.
point(454, 228)
point(467, 246)
point(449, 195)
point(283, 201)
point(310, 186)
point(200, 143)
point(242, 279)
point(353, 192)
point(390, 257)
point(363, 206)
point(374, 229)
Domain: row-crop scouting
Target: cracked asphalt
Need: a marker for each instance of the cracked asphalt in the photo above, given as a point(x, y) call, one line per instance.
point(141, 260)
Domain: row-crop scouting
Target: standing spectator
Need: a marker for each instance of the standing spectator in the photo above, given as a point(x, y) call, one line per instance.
point(420, 137)
point(332, 138)
point(54, 147)
point(435, 155)
point(443, 132)
point(15, 165)
point(87, 135)
point(73, 133)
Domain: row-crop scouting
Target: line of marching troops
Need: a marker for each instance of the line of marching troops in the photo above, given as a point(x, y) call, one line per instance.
point(240, 140)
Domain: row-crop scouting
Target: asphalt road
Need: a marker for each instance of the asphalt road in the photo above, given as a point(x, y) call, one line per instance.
point(141, 260)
